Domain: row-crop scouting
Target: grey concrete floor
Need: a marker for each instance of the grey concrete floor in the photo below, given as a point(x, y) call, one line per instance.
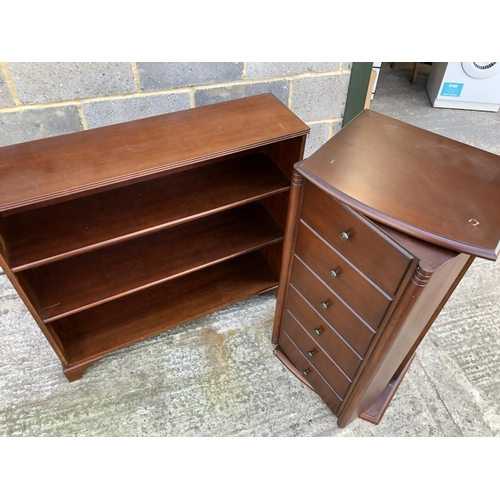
point(217, 376)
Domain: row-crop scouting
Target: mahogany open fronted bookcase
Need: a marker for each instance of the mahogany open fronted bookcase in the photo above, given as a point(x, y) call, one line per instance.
point(116, 234)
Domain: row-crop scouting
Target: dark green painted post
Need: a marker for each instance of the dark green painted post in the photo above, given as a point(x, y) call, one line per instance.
point(358, 87)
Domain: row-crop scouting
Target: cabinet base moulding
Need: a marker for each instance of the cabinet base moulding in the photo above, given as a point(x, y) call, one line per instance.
point(376, 412)
point(75, 372)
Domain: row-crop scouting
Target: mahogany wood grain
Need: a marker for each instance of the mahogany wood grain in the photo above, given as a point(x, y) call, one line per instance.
point(332, 343)
point(329, 370)
point(296, 194)
point(435, 314)
point(314, 378)
point(75, 371)
point(273, 255)
point(66, 165)
point(107, 327)
point(369, 301)
point(411, 202)
point(290, 366)
point(283, 154)
point(370, 250)
point(376, 412)
point(3, 242)
point(59, 231)
point(87, 280)
point(431, 257)
point(423, 184)
point(346, 322)
point(421, 301)
point(115, 234)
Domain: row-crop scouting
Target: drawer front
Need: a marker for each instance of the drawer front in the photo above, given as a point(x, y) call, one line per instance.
point(364, 297)
point(303, 365)
point(377, 257)
point(349, 326)
point(345, 357)
point(321, 362)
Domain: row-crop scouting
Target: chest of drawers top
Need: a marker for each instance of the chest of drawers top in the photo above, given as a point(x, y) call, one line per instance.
point(420, 183)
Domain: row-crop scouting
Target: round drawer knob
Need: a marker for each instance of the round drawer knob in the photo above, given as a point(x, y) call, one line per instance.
point(334, 273)
point(344, 235)
point(306, 372)
point(325, 305)
point(318, 331)
point(311, 353)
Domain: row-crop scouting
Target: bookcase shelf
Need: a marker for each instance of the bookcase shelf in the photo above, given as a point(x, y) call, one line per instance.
point(66, 229)
point(122, 322)
point(90, 279)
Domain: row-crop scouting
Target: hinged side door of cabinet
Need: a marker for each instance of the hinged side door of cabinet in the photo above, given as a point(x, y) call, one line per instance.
point(432, 282)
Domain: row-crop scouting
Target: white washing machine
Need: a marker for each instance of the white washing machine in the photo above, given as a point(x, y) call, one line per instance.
point(465, 85)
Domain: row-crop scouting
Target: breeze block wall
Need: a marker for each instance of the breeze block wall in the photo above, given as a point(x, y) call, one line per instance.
point(40, 100)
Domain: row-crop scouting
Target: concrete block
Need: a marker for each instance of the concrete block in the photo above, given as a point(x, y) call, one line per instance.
point(346, 65)
point(316, 138)
point(277, 69)
point(280, 89)
point(45, 82)
point(5, 97)
point(102, 113)
point(320, 98)
point(170, 75)
point(337, 127)
point(31, 124)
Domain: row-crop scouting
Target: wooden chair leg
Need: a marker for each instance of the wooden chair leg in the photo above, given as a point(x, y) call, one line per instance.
point(392, 65)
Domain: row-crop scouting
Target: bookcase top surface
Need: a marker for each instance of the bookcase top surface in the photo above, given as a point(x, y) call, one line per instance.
point(45, 170)
point(418, 182)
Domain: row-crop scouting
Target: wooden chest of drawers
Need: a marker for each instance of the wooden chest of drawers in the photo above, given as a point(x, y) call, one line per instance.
point(357, 296)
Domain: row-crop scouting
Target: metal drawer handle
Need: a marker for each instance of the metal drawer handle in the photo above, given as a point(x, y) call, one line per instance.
point(344, 235)
point(306, 372)
point(325, 305)
point(318, 331)
point(311, 353)
point(334, 273)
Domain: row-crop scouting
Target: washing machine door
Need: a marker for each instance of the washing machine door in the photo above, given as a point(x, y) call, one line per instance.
point(481, 69)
